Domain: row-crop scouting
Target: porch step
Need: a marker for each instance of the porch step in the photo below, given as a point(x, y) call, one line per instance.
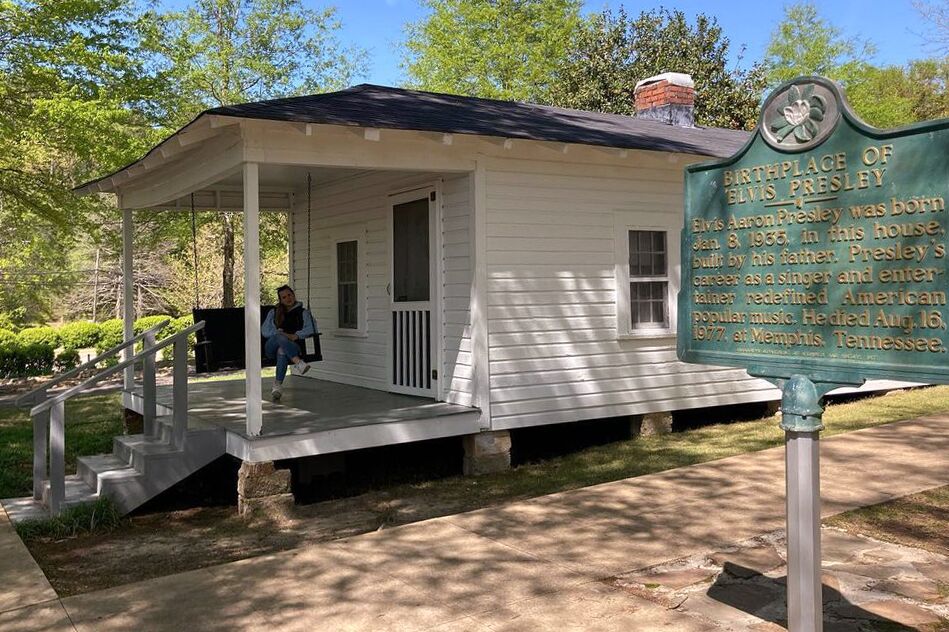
point(77, 492)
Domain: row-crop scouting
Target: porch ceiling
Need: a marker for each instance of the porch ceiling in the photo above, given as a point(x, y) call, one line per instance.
point(277, 183)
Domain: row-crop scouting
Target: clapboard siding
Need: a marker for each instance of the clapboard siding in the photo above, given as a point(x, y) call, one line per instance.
point(456, 371)
point(361, 205)
point(554, 351)
point(355, 205)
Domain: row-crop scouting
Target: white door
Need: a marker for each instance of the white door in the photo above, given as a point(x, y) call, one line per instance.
point(412, 292)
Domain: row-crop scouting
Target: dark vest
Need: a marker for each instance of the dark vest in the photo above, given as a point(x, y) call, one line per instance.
point(292, 320)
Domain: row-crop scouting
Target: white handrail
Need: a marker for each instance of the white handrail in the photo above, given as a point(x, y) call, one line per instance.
point(49, 418)
point(42, 388)
point(165, 342)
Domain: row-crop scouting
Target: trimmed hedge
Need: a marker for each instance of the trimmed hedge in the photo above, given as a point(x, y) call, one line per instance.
point(80, 335)
point(39, 335)
point(110, 334)
point(32, 350)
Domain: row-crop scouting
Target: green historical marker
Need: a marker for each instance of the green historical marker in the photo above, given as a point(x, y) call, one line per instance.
point(817, 257)
point(820, 248)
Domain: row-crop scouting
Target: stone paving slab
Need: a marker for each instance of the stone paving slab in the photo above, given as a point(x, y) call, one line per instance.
point(44, 617)
point(23, 583)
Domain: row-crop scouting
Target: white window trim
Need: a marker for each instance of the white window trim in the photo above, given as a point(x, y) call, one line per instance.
point(355, 233)
point(623, 222)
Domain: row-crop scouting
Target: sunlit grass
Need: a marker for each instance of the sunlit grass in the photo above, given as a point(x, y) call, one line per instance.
point(650, 454)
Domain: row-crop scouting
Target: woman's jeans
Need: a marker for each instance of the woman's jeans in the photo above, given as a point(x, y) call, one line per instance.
point(281, 348)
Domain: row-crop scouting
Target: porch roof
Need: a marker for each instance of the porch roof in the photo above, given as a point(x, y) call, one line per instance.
point(368, 105)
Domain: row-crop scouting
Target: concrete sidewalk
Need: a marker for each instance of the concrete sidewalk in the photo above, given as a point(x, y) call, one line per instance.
point(532, 565)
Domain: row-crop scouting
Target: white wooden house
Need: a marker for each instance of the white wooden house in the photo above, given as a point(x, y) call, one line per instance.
point(513, 264)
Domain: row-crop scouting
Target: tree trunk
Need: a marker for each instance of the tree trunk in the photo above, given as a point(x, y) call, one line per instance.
point(227, 296)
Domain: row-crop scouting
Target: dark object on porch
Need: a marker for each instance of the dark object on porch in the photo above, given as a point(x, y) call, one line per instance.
point(220, 344)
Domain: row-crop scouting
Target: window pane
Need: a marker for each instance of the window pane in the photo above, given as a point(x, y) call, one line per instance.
point(347, 292)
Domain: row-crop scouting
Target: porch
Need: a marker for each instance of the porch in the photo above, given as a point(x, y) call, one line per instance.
point(315, 417)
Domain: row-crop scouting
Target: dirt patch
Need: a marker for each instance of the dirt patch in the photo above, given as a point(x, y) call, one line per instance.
point(159, 544)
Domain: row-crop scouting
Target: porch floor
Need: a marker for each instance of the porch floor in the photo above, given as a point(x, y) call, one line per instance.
point(318, 417)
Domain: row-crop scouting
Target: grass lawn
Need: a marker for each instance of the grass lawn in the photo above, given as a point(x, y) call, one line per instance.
point(91, 422)
point(919, 521)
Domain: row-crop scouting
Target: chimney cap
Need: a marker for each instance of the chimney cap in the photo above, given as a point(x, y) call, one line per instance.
point(674, 78)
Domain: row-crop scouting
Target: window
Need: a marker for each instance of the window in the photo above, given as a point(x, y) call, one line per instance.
point(348, 273)
point(648, 279)
point(347, 287)
point(647, 273)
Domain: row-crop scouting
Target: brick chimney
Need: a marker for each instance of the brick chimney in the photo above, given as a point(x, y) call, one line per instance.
point(669, 98)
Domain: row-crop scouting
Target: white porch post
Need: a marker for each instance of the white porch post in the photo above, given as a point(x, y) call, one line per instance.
point(128, 301)
point(252, 389)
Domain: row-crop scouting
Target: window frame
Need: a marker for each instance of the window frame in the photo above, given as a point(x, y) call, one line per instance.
point(344, 235)
point(623, 224)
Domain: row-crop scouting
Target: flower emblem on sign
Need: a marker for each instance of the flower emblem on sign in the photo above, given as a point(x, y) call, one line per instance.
point(802, 116)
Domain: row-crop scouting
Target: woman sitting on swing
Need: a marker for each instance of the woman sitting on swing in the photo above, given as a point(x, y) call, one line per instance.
point(285, 326)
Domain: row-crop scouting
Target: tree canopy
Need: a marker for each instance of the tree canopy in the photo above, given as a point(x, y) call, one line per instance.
point(610, 52)
point(500, 49)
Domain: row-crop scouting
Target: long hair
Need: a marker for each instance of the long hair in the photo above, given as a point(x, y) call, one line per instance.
point(280, 312)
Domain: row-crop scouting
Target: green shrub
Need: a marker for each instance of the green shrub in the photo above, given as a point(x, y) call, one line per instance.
point(22, 359)
point(110, 335)
point(80, 335)
point(7, 322)
point(40, 335)
point(9, 346)
point(176, 325)
point(28, 353)
point(67, 359)
point(147, 322)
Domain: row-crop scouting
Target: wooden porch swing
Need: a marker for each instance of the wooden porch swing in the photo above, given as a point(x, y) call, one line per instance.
point(220, 344)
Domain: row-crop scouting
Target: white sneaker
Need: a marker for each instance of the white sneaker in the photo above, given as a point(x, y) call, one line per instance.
point(301, 367)
point(276, 392)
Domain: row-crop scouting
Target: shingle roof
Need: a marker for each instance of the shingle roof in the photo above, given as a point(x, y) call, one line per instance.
point(369, 105)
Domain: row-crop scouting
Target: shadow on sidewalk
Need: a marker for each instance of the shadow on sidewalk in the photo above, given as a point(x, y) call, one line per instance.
point(765, 597)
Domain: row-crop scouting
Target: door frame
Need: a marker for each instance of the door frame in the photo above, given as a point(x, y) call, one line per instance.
point(436, 274)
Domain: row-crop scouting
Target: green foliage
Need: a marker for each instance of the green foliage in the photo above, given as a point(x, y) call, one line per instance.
point(145, 323)
point(501, 49)
point(610, 53)
point(22, 359)
point(220, 52)
point(40, 335)
point(72, 76)
point(176, 325)
point(80, 334)
point(7, 322)
point(102, 516)
point(67, 359)
point(111, 334)
point(804, 43)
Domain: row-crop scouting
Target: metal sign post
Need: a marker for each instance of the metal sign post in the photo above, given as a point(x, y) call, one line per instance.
point(801, 410)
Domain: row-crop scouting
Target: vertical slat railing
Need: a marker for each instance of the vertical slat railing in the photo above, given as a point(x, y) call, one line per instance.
point(180, 393)
point(149, 389)
point(40, 454)
point(57, 457)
